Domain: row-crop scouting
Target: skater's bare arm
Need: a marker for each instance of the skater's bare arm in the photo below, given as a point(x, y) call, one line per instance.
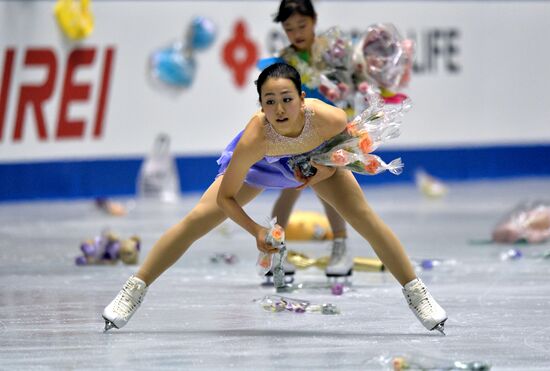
point(328, 120)
point(249, 150)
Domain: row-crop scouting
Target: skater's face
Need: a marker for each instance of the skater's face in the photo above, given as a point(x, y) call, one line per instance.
point(282, 105)
point(300, 31)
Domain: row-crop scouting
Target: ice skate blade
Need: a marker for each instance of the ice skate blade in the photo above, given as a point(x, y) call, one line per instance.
point(333, 275)
point(441, 328)
point(288, 287)
point(270, 273)
point(108, 325)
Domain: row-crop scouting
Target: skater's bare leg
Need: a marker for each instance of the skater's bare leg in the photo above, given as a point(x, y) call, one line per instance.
point(284, 205)
point(353, 206)
point(337, 223)
point(204, 217)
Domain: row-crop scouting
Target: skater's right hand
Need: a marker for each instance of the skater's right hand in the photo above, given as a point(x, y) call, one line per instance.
point(261, 243)
point(323, 172)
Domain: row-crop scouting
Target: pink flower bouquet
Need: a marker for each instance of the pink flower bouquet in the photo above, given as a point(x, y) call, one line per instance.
point(386, 58)
point(352, 149)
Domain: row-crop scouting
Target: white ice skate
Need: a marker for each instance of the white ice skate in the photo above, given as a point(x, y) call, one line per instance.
point(122, 308)
point(341, 261)
point(424, 306)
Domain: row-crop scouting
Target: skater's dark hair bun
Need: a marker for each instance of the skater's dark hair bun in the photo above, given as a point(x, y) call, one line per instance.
point(279, 71)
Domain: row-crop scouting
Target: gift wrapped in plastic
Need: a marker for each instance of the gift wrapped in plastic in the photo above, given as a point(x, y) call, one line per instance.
point(529, 222)
point(386, 58)
point(423, 362)
point(277, 303)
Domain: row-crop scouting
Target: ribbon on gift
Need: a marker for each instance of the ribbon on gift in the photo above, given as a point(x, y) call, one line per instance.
point(360, 264)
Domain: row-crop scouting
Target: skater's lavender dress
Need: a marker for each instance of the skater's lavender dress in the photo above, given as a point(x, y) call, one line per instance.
point(273, 172)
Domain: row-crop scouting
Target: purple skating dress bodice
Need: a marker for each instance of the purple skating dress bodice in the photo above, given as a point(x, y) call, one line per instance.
point(273, 171)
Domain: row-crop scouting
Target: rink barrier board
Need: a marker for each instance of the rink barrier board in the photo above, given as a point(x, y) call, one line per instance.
point(118, 177)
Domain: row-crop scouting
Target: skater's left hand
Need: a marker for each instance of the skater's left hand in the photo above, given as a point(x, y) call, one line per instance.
point(261, 243)
point(323, 172)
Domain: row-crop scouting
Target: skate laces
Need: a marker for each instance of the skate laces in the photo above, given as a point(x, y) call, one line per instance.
point(127, 300)
point(338, 251)
point(419, 299)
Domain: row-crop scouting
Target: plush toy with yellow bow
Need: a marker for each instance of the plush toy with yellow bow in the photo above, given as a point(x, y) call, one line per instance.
point(308, 225)
point(360, 263)
point(75, 18)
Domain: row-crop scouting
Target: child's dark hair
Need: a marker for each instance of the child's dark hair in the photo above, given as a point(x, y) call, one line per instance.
point(279, 71)
point(289, 7)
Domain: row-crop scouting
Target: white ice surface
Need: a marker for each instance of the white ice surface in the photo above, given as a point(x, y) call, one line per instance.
point(201, 315)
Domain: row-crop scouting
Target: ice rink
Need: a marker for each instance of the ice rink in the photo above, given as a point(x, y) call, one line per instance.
point(202, 315)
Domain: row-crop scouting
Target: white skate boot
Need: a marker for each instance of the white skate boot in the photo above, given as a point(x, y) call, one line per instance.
point(122, 308)
point(424, 306)
point(341, 261)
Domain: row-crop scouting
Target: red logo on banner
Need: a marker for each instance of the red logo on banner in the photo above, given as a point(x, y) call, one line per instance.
point(35, 95)
point(240, 53)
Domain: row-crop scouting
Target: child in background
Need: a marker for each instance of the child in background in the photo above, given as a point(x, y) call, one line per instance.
point(298, 18)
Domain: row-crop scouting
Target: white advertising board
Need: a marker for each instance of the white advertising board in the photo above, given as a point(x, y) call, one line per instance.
point(481, 75)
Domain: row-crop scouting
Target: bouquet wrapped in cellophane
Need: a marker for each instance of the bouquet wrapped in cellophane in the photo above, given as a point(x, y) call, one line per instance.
point(379, 60)
point(352, 149)
point(342, 68)
point(385, 58)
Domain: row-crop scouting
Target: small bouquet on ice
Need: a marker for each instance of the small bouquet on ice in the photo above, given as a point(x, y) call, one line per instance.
point(424, 362)
point(276, 238)
point(277, 303)
point(352, 149)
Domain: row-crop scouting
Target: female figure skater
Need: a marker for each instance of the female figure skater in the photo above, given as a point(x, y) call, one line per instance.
point(287, 125)
point(298, 18)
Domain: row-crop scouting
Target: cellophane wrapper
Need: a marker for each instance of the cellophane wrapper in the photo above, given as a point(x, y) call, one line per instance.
point(528, 222)
point(385, 57)
point(352, 149)
point(275, 237)
point(345, 68)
